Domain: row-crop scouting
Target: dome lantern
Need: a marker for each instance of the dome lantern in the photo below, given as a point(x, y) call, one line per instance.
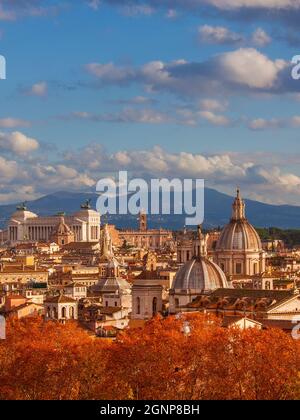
point(238, 207)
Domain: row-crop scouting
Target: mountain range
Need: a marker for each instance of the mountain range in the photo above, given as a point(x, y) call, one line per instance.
point(217, 211)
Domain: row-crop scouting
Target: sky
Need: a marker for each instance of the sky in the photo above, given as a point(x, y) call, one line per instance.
point(161, 88)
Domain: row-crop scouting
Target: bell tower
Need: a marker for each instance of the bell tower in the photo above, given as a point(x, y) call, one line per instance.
point(143, 221)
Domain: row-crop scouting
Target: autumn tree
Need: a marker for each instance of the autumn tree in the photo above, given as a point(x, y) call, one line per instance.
point(187, 357)
point(160, 362)
point(47, 360)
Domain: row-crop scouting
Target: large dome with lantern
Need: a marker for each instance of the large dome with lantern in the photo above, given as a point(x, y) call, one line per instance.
point(239, 234)
point(239, 249)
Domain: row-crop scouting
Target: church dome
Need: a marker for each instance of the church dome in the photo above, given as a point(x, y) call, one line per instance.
point(200, 274)
point(239, 234)
point(113, 285)
point(62, 228)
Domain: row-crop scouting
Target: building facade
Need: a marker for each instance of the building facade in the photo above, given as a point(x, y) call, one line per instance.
point(144, 237)
point(25, 225)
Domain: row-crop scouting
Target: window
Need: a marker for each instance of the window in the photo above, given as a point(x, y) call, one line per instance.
point(238, 268)
point(138, 306)
point(154, 306)
point(63, 312)
point(71, 312)
point(176, 302)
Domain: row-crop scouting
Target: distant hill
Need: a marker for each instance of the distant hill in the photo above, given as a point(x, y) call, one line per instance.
point(217, 211)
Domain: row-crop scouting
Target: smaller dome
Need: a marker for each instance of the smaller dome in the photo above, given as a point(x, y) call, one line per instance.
point(113, 285)
point(200, 274)
point(62, 228)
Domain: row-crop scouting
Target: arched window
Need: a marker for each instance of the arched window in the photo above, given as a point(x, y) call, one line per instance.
point(71, 312)
point(54, 313)
point(63, 312)
point(268, 285)
point(154, 306)
point(138, 305)
point(48, 312)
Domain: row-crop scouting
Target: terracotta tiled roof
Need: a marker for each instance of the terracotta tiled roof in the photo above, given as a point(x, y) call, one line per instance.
point(107, 310)
point(74, 284)
point(59, 299)
point(148, 275)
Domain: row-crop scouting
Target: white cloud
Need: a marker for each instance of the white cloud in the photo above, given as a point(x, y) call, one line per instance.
point(38, 89)
point(241, 70)
point(171, 14)
point(139, 9)
point(215, 119)
point(260, 38)
point(214, 105)
point(249, 67)
point(218, 35)
point(262, 124)
point(127, 115)
point(18, 143)
point(94, 4)
point(7, 15)
point(258, 176)
point(13, 123)
point(274, 123)
point(8, 169)
point(231, 5)
point(261, 4)
point(109, 72)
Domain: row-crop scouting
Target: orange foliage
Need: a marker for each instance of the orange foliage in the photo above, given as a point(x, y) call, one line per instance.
point(47, 360)
point(52, 361)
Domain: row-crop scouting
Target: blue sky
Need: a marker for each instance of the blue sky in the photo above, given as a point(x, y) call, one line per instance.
point(194, 88)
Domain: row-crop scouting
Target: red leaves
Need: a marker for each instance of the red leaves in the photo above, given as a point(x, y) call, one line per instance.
point(53, 361)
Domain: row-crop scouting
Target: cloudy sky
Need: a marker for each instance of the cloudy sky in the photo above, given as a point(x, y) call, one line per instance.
point(187, 88)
